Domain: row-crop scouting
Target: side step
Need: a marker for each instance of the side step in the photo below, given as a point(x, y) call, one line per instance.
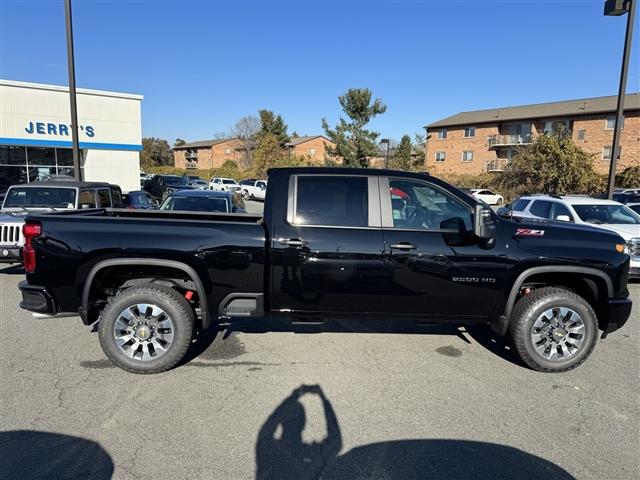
point(242, 305)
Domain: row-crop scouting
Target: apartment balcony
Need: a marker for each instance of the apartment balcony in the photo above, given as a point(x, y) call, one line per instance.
point(509, 140)
point(191, 155)
point(497, 165)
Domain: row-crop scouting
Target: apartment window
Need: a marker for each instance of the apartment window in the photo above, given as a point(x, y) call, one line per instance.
point(557, 126)
point(610, 122)
point(442, 134)
point(312, 151)
point(227, 151)
point(467, 156)
point(469, 132)
point(606, 153)
point(581, 134)
point(440, 157)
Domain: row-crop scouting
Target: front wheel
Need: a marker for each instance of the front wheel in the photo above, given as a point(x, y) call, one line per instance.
point(499, 202)
point(553, 329)
point(146, 329)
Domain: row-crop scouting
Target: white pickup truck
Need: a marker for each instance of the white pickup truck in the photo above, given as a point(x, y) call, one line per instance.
point(254, 190)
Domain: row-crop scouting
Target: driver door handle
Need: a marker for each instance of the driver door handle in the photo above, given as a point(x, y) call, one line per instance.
point(404, 246)
point(292, 242)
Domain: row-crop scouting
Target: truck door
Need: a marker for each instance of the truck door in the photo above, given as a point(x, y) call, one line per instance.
point(327, 255)
point(439, 270)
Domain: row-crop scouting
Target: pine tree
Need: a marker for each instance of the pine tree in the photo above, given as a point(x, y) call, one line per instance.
point(354, 143)
point(402, 158)
point(273, 124)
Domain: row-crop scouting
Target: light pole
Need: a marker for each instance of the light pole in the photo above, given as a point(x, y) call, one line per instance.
point(72, 93)
point(617, 8)
point(386, 157)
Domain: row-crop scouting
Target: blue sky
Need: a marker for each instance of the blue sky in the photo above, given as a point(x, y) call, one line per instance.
point(201, 65)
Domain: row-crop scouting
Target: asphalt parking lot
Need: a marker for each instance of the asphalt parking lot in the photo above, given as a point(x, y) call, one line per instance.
point(348, 400)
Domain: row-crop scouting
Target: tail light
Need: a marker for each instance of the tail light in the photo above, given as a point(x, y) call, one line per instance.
point(29, 232)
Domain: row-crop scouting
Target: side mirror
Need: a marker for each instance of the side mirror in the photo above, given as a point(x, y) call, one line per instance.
point(483, 227)
point(563, 218)
point(85, 205)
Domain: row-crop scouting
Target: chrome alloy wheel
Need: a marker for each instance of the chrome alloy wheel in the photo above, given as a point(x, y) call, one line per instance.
point(558, 334)
point(143, 331)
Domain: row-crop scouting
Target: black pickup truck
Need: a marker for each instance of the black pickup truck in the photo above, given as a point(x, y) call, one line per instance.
point(333, 242)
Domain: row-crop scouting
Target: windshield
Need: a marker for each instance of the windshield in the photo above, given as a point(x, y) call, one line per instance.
point(609, 214)
point(175, 180)
point(196, 204)
point(228, 181)
point(33, 197)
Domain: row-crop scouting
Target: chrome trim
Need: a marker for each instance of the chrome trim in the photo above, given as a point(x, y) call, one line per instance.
point(45, 316)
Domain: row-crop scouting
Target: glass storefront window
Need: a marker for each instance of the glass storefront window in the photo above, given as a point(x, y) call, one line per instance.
point(65, 157)
point(12, 155)
point(41, 174)
point(41, 156)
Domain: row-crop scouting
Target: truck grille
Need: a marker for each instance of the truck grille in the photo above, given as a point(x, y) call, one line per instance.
point(11, 234)
point(634, 247)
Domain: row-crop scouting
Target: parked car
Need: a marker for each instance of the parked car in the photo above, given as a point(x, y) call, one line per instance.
point(161, 185)
point(582, 210)
point(198, 185)
point(139, 199)
point(634, 206)
point(204, 201)
point(332, 243)
point(634, 191)
point(626, 198)
point(256, 189)
point(49, 196)
point(487, 196)
point(220, 184)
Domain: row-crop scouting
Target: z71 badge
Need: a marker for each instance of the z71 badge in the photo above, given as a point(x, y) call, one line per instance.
point(528, 232)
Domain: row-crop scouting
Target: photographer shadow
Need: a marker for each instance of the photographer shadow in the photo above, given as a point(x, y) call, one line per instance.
point(287, 456)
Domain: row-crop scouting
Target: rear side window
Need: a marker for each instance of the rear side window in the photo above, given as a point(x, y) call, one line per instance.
point(104, 199)
point(87, 199)
point(541, 208)
point(332, 201)
point(520, 205)
point(116, 195)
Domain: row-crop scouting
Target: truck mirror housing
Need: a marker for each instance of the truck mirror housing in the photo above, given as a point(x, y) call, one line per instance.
point(483, 227)
point(563, 218)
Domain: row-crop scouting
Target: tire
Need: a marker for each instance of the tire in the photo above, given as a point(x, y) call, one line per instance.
point(529, 313)
point(499, 202)
point(177, 325)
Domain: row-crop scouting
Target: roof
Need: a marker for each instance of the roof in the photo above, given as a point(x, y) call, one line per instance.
point(202, 193)
point(203, 143)
point(60, 88)
point(67, 184)
point(298, 140)
point(582, 106)
point(573, 199)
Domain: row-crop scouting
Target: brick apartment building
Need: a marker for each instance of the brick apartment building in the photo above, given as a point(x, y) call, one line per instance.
point(213, 153)
point(314, 147)
point(207, 153)
point(486, 140)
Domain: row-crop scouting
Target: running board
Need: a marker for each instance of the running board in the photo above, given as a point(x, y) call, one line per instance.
point(241, 305)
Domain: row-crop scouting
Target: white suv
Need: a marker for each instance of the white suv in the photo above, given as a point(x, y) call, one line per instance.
point(221, 184)
point(595, 212)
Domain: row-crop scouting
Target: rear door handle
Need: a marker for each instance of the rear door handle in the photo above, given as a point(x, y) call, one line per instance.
point(292, 242)
point(404, 246)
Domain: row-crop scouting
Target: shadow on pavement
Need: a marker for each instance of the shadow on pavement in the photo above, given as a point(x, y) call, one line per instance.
point(27, 454)
point(482, 334)
point(15, 269)
point(281, 453)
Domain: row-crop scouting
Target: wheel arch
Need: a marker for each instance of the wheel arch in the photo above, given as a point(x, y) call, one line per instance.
point(596, 281)
point(145, 262)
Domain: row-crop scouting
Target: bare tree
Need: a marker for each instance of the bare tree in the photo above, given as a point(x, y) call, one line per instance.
point(246, 130)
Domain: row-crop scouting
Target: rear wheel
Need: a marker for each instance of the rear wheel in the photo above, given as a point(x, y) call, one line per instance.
point(499, 202)
point(146, 329)
point(553, 329)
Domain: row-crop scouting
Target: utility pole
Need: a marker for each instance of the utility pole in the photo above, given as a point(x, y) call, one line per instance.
point(386, 157)
point(77, 168)
point(617, 8)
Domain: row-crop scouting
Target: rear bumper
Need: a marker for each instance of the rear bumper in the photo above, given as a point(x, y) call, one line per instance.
point(36, 299)
point(619, 311)
point(10, 254)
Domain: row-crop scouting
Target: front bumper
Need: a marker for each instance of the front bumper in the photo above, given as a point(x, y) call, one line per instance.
point(11, 254)
point(619, 310)
point(36, 298)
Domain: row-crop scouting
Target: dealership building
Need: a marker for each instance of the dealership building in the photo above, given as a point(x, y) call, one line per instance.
point(35, 134)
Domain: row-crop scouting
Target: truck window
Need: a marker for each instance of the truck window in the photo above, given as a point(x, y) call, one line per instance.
point(520, 205)
point(116, 197)
point(332, 201)
point(561, 211)
point(104, 199)
point(541, 208)
point(419, 205)
point(87, 199)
